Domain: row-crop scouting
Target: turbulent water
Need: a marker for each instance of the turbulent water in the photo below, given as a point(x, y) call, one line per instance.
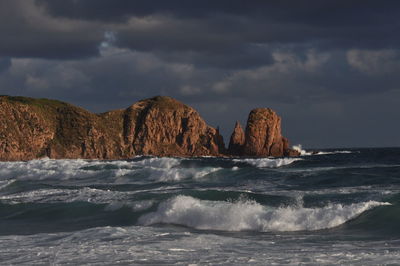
point(334, 207)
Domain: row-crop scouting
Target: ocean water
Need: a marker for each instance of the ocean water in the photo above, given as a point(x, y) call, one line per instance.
point(334, 207)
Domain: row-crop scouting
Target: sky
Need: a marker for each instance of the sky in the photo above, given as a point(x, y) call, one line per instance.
point(330, 69)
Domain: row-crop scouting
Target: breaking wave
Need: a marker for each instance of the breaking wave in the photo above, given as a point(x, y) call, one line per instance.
point(268, 162)
point(303, 152)
point(299, 148)
point(162, 169)
point(246, 215)
point(333, 152)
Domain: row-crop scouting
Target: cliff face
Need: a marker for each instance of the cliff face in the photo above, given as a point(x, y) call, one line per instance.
point(161, 126)
point(165, 127)
point(34, 128)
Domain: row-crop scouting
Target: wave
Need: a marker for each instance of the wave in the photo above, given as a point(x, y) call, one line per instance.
point(299, 148)
point(178, 174)
point(333, 152)
point(6, 183)
point(114, 200)
point(303, 152)
point(316, 170)
point(162, 169)
point(47, 168)
point(246, 215)
point(67, 195)
point(157, 162)
point(268, 162)
point(136, 206)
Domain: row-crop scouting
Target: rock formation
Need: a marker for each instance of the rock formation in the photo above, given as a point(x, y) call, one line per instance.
point(237, 140)
point(161, 126)
point(262, 137)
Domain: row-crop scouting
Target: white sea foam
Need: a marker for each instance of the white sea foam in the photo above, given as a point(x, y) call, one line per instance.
point(333, 152)
point(154, 169)
point(268, 162)
point(6, 183)
point(177, 174)
point(158, 162)
point(67, 195)
point(135, 206)
point(303, 152)
point(250, 215)
point(125, 245)
point(299, 148)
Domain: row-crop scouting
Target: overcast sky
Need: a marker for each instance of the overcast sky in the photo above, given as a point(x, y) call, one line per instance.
point(331, 69)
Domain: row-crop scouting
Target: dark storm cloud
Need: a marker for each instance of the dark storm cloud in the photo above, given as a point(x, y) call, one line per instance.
point(326, 13)
point(26, 31)
point(330, 23)
point(320, 64)
point(220, 33)
point(5, 64)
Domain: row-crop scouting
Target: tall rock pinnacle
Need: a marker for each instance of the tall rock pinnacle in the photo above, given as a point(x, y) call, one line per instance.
point(237, 140)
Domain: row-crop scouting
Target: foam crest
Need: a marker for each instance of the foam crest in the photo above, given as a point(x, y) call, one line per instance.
point(140, 205)
point(302, 152)
point(158, 162)
point(268, 162)
point(6, 183)
point(47, 168)
point(250, 215)
point(333, 152)
point(299, 148)
point(177, 174)
point(162, 169)
point(67, 195)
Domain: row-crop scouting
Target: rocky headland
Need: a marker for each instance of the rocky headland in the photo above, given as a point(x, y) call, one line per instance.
point(160, 126)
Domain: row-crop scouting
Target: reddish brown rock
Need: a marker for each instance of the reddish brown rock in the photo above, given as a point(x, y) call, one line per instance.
point(161, 126)
point(237, 140)
point(263, 135)
point(291, 153)
point(23, 133)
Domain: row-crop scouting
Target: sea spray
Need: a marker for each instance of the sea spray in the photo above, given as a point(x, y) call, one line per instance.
point(299, 148)
point(303, 152)
point(247, 215)
point(268, 162)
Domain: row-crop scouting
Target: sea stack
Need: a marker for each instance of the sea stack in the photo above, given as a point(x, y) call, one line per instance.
point(262, 137)
point(159, 126)
point(237, 140)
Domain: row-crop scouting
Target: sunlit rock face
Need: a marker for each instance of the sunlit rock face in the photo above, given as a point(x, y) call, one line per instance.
point(159, 126)
point(262, 136)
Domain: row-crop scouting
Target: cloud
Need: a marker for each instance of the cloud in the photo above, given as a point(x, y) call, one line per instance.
point(288, 79)
point(224, 33)
point(320, 64)
point(5, 64)
point(375, 62)
point(27, 31)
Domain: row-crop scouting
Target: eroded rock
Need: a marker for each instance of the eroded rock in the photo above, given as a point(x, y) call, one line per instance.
point(159, 126)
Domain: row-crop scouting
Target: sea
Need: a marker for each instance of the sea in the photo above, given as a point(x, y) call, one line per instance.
point(332, 207)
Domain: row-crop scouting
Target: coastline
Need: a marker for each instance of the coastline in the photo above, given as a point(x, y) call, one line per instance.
point(159, 126)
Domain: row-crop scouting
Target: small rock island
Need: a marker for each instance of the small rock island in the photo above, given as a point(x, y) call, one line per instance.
point(160, 126)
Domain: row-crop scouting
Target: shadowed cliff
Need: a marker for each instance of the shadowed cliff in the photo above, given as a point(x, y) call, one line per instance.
point(160, 126)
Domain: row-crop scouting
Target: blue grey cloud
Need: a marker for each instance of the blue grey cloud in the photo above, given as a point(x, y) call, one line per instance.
point(330, 68)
